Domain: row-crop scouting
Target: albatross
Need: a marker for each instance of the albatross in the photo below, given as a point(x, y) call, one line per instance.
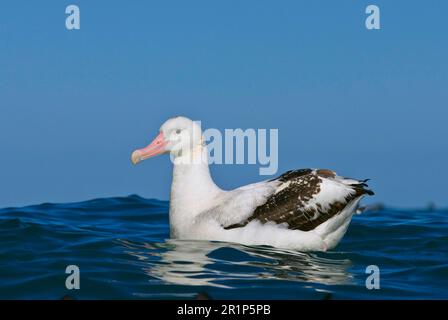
point(304, 209)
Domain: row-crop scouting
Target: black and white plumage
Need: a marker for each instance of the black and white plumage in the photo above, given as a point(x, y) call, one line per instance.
point(307, 209)
point(302, 199)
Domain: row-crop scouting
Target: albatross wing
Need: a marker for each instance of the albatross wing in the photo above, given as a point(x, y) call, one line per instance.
point(306, 198)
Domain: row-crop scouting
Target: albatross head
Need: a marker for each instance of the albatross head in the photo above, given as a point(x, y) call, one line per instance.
point(177, 136)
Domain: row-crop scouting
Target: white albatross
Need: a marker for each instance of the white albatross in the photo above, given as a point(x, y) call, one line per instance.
point(306, 209)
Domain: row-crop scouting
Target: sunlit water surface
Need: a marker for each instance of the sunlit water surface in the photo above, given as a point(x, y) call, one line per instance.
point(122, 248)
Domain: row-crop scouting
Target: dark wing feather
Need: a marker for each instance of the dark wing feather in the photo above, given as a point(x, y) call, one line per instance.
point(289, 205)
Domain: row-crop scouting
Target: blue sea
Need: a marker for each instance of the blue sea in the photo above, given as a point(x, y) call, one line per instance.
point(123, 251)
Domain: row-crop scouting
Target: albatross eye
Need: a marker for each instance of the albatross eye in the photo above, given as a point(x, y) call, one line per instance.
point(178, 131)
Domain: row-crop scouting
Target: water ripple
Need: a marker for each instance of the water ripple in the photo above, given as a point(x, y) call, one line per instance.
point(121, 247)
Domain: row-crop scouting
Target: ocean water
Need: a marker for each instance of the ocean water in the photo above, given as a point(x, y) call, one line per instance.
point(122, 249)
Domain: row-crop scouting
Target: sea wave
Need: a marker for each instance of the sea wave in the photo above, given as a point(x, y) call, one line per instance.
point(123, 250)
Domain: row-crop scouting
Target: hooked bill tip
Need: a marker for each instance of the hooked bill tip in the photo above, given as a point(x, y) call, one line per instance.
point(135, 157)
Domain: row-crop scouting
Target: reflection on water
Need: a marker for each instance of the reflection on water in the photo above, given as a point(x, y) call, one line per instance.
point(409, 246)
point(204, 263)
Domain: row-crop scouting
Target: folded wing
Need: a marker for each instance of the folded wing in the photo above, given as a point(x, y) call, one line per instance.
point(303, 199)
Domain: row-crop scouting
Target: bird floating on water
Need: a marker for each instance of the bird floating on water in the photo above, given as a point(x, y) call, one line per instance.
point(305, 209)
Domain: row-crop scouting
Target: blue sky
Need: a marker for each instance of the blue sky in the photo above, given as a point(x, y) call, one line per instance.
point(368, 104)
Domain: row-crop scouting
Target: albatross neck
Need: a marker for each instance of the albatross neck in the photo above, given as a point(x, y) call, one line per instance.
point(192, 188)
